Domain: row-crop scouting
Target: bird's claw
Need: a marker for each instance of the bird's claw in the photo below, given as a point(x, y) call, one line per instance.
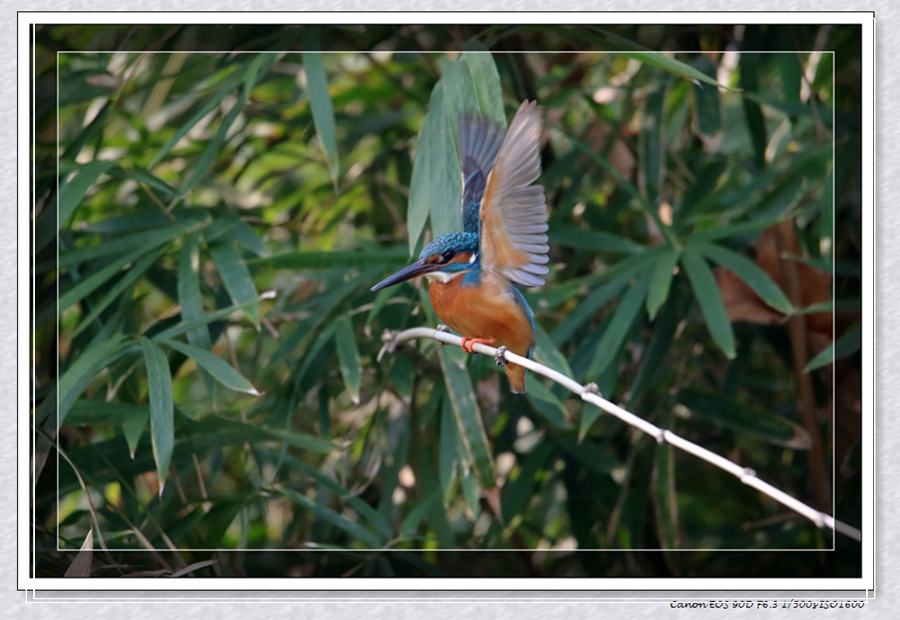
point(468, 343)
point(388, 337)
point(500, 357)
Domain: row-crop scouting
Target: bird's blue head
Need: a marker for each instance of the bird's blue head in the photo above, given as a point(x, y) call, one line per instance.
point(443, 259)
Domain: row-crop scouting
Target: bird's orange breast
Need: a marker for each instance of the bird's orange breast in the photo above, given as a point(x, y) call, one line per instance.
point(486, 310)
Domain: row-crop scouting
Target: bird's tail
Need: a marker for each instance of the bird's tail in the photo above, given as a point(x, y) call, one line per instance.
point(516, 376)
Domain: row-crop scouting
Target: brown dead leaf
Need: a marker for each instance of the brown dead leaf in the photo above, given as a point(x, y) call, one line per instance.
point(742, 304)
point(81, 565)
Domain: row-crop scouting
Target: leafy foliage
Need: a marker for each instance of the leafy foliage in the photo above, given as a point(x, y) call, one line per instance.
point(223, 216)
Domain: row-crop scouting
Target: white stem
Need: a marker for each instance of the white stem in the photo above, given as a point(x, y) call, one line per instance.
point(589, 393)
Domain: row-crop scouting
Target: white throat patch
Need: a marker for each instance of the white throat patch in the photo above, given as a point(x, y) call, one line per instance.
point(443, 276)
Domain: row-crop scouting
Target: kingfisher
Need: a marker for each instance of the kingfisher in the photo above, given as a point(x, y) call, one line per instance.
point(474, 274)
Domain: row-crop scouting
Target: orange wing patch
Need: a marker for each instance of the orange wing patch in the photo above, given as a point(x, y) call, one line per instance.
point(513, 211)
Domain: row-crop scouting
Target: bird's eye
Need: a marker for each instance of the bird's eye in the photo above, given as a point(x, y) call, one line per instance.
point(446, 256)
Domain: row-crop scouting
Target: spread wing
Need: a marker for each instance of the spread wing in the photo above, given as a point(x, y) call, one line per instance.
point(479, 141)
point(514, 212)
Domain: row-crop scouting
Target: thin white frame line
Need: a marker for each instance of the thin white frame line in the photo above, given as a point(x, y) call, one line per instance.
point(834, 387)
point(32, 486)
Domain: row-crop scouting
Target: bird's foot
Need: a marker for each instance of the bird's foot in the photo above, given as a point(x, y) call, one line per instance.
point(389, 338)
point(468, 343)
point(443, 328)
point(500, 357)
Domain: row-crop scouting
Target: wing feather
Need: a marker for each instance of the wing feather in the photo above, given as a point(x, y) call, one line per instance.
point(479, 141)
point(513, 211)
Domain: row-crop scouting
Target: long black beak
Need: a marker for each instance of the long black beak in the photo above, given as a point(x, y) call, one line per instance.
point(407, 273)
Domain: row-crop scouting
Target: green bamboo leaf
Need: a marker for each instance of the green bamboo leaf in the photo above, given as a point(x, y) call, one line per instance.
point(99, 413)
point(706, 100)
point(90, 133)
point(190, 301)
point(145, 218)
point(224, 90)
point(846, 345)
point(338, 520)
point(163, 190)
point(222, 514)
point(595, 457)
point(186, 326)
point(331, 260)
point(322, 110)
point(633, 499)
point(619, 326)
point(298, 340)
point(356, 503)
point(443, 167)
point(73, 381)
point(790, 71)
point(111, 247)
point(626, 185)
point(448, 447)
point(488, 91)
point(517, 493)
point(415, 516)
point(459, 95)
point(651, 141)
point(592, 240)
point(468, 418)
point(436, 518)
point(619, 276)
point(703, 194)
point(216, 432)
point(676, 67)
point(547, 404)
point(72, 191)
point(219, 369)
point(711, 305)
point(420, 191)
point(97, 279)
point(826, 215)
point(747, 270)
point(214, 147)
point(381, 299)
point(837, 305)
point(630, 49)
point(734, 230)
point(546, 352)
point(660, 282)
point(756, 123)
point(236, 229)
point(133, 275)
point(588, 307)
point(133, 426)
point(348, 357)
point(162, 408)
point(739, 417)
point(236, 277)
point(470, 486)
point(654, 356)
point(665, 496)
